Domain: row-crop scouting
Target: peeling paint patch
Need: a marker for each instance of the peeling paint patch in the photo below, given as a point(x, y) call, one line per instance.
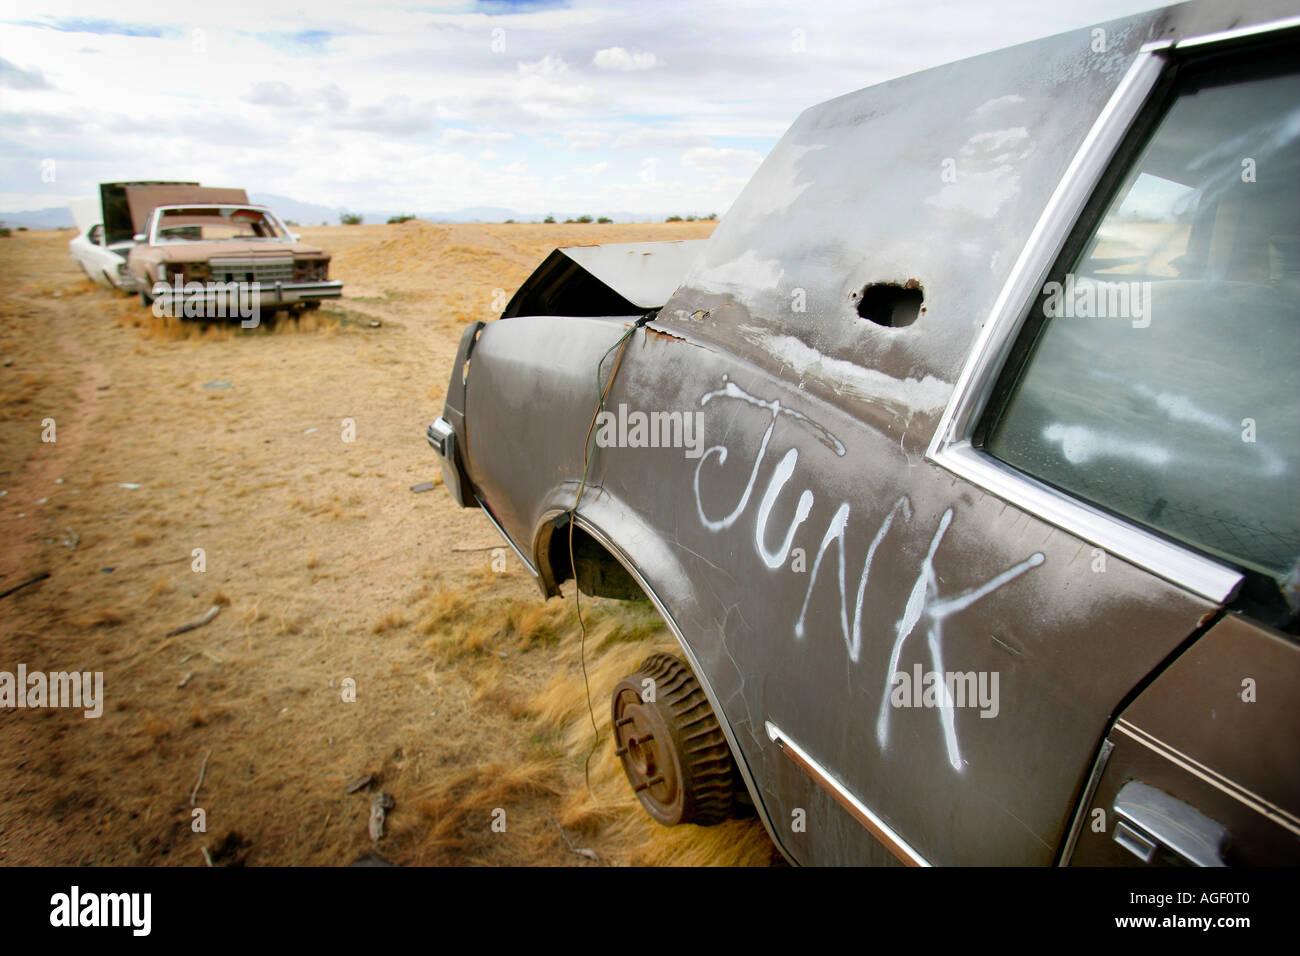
point(1011, 99)
point(746, 274)
point(853, 381)
point(653, 334)
point(986, 171)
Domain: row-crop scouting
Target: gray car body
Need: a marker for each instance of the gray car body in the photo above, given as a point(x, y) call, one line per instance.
point(820, 433)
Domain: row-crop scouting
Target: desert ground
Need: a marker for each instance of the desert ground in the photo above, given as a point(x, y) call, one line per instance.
point(195, 467)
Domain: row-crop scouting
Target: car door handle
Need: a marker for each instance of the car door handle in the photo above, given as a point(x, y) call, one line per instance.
point(1151, 820)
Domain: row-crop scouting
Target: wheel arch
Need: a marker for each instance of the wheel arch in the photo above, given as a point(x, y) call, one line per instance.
point(641, 553)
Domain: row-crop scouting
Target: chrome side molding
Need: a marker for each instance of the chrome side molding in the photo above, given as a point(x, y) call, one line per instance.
point(877, 827)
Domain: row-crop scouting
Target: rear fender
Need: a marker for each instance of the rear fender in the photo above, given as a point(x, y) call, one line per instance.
point(651, 563)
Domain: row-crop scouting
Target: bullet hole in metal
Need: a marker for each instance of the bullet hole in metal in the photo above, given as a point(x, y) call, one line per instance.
point(891, 304)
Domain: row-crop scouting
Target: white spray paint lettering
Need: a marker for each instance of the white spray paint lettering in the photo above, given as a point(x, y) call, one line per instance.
point(923, 603)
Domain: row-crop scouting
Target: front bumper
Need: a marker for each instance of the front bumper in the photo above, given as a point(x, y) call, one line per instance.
point(125, 279)
point(268, 295)
point(442, 439)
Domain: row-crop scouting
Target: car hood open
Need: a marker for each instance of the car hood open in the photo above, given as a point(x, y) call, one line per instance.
point(619, 278)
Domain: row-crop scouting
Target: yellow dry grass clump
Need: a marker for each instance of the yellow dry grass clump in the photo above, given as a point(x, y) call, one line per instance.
point(587, 794)
point(608, 813)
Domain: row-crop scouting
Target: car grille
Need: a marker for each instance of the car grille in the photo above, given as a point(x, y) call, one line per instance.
point(266, 271)
point(311, 270)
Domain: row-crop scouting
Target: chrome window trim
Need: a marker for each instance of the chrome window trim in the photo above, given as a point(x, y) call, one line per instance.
point(1085, 801)
point(1238, 33)
point(951, 447)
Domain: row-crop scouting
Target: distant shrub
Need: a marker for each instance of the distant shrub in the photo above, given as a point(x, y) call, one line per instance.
point(4, 232)
point(509, 220)
point(690, 218)
point(549, 219)
point(394, 220)
point(350, 218)
point(22, 228)
point(604, 219)
point(673, 219)
point(583, 219)
point(290, 222)
point(712, 216)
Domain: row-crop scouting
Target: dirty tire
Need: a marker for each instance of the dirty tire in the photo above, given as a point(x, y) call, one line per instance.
point(672, 748)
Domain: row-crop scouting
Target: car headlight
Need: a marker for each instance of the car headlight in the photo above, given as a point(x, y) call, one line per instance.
point(310, 270)
point(192, 271)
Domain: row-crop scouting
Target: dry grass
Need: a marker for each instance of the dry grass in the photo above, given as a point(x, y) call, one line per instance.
point(524, 658)
point(389, 622)
point(101, 617)
point(608, 815)
point(174, 436)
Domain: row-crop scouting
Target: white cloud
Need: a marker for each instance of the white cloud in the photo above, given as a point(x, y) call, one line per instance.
point(547, 66)
point(721, 161)
point(456, 136)
point(593, 170)
point(546, 88)
point(617, 58)
point(584, 141)
point(15, 77)
point(650, 138)
point(351, 104)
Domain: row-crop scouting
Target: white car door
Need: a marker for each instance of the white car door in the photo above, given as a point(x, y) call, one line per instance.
point(98, 261)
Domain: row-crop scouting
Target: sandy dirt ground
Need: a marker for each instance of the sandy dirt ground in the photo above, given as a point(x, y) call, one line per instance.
point(329, 573)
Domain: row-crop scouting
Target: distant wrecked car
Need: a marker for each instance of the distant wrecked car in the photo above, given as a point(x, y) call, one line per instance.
point(205, 259)
point(105, 230)
point(990, 550)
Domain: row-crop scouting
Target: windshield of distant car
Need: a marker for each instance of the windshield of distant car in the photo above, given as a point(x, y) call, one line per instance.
point(205, 224)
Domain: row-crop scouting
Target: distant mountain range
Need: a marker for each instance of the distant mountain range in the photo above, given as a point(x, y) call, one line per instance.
point(56, 217)
point(314, 214)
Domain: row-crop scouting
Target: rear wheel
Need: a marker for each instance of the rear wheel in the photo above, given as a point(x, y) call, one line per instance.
point(673, 750)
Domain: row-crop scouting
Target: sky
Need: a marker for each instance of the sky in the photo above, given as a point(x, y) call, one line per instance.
point(649, 107)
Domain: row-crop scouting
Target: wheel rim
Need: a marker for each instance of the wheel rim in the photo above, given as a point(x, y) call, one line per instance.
point(644, 743)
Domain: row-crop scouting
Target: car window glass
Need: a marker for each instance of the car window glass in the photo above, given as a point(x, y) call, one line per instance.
point(1163, 383)
point(213, 224)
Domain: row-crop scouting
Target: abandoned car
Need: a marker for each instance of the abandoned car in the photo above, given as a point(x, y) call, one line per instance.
point(211, 254)
point(987, 550)
point(105, 232)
